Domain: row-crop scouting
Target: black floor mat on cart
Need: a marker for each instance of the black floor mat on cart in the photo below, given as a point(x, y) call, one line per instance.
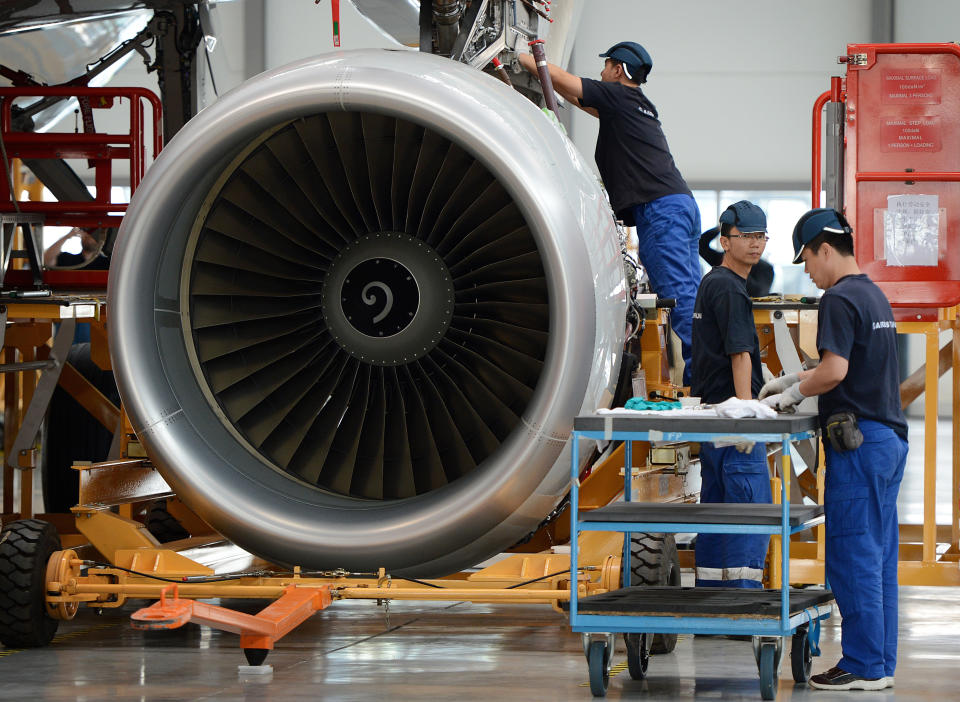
point(698, 602)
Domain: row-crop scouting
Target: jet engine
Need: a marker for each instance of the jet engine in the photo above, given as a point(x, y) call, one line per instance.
point(354, 307)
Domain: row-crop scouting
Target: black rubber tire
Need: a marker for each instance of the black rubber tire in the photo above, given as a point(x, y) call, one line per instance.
point(599, 672)
point(801, 657)
point(638, 654)
point(163, 525)
point(654, 561)
point(25, 548)
point(72, 434)
point(768, 673)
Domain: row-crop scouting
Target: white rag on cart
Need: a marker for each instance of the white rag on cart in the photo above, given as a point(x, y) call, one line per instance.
point(734, 408)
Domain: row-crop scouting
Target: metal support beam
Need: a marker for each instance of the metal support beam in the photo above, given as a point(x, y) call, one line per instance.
point(254, 38)
point(882, 25)
point(178, 35)
point(33, 417)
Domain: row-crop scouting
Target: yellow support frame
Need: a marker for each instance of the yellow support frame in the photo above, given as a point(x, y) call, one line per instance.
point(931, 568)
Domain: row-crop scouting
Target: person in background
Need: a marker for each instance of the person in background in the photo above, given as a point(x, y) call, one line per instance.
point(89, 258)
point(726, 363)
point(865, 448)
point(644, 184)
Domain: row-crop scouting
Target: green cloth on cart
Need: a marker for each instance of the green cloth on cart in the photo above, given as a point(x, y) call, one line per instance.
point(638, 403)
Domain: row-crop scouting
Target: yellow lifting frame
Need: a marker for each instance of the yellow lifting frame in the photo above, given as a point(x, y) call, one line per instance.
point(932, 568)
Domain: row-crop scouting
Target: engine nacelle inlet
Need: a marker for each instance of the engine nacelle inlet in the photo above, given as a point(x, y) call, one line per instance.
point(354, 307)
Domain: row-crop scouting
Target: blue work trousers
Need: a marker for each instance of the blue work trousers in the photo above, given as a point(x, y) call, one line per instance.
point(860, 502)
point(732, 560)
point(668, 236)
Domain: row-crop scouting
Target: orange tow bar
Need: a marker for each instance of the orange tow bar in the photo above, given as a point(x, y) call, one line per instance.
point(258, 632)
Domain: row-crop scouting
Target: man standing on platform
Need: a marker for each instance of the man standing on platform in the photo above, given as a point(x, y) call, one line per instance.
point(645, 186)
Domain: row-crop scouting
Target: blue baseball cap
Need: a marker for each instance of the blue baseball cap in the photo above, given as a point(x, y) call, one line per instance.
point(813, 224)
point(637, 60)
point(745, 216)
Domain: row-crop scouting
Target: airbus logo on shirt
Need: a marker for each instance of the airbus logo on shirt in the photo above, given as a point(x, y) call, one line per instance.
point(885, 324)
point(697, 315)
point(645, 111)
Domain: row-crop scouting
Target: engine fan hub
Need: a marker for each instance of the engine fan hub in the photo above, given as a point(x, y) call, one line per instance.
point(388, 298)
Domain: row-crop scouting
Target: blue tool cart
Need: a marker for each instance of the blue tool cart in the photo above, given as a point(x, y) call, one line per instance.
point(637, 612)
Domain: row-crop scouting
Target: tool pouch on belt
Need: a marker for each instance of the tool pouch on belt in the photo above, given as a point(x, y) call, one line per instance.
point(843, 431)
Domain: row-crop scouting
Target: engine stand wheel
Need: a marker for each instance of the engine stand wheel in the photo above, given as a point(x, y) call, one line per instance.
point(60, 569)
point(654, 561)
point(163, 525)
point(256, 656)
point(801, 657)
point(598, 658)
point(25, 549)
point(768, 670)
point(638, 654)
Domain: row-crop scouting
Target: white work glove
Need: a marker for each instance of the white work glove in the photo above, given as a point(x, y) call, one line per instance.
point(741, 443)
point(765, 372)
point(786, 401)
point(778, 385)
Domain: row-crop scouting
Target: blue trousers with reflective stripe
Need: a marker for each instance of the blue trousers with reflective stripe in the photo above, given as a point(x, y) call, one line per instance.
point(668, 235)
point(730, 476)
point(863, 541)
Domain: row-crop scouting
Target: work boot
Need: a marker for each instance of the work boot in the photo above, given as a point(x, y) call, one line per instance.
point(839, 679)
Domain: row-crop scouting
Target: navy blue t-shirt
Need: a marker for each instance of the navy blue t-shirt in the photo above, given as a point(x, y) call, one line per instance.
point(722, 325)
point(856, 322)
point(632, 153)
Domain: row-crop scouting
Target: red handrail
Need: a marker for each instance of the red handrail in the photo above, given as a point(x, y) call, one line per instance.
point(817, 126)
point(99, 146)
point(835, 94)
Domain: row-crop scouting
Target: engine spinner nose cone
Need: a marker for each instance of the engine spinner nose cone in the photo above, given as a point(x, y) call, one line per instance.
point(380, 297)
point(387, 298)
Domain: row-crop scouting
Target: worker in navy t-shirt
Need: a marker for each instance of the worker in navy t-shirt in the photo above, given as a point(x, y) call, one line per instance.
point(760, 280)
point(858, 374)
point(726, 363)
point(645, 187)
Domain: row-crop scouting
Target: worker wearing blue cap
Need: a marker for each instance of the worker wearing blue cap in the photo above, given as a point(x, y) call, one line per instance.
point(865, 448)
point(726, 363)
point(645, 187)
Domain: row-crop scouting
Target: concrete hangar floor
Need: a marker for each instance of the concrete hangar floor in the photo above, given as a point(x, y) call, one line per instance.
point(438, 651)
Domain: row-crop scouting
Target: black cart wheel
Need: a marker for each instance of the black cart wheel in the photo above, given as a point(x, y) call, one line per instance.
point(801, 657)
point(768, 671)
point(25, 548)
point(654, 561)
point(638, 654)
point(597, 658)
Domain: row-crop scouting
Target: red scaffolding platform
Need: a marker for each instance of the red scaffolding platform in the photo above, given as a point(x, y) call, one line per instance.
point(101, 149)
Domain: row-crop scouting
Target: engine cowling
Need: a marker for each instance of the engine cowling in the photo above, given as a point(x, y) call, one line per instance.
point(354, 307)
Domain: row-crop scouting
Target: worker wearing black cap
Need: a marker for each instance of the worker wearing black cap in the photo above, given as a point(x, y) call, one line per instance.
point(645, 187)
point(865, 448)
point(726, 363)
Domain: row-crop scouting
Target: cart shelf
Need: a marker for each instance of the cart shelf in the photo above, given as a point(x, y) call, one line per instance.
point(701, 518)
